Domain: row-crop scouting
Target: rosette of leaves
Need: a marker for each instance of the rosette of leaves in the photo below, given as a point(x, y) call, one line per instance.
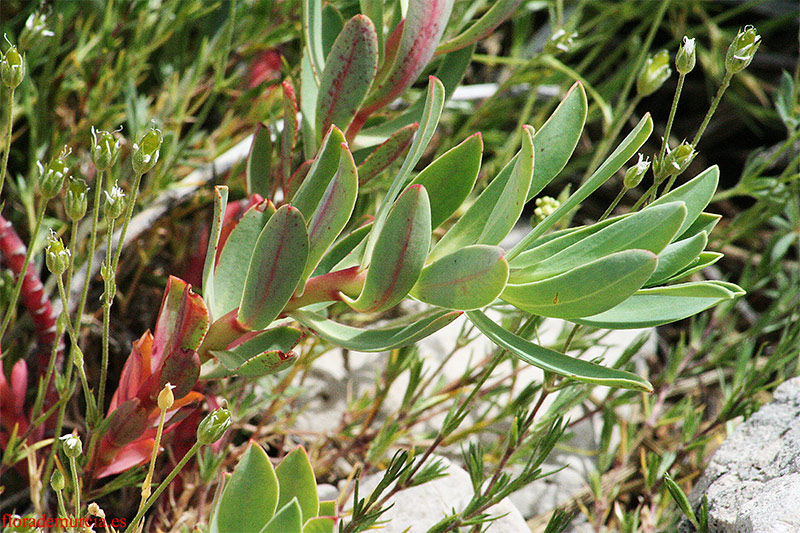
point(259, 498)
point(289, 263)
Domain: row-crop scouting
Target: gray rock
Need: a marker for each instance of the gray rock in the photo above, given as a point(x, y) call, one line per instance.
point(418, 508)
point(753, 480)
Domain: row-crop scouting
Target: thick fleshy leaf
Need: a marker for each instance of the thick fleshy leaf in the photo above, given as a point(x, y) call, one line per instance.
point(332, 24)
point(288, 519)
point(387, 337)
point(297, 179)
point(289, 132)
point(423, 27)
point(385, 154)
point(349, 70)
point(231, 271)
point(450, 72)
point(220, 203)
point(182, 321)
point(341, 250)
point(587, 289)
point(327, 508)
point(450, 178)
point(279, 257)
point(695, 193)
point(494, 16)
point(296, 479)
point(497, 209)
point(322, 170)
point(271, 346)
point(676, 257)
point(320, 524)
point(133, 454)
point(626, 149)
point(552, 243)
point(430, 119)
point(399, 253)
point(705, 222)
point(556, 362)
point(309, 90)
point(650, 229)
point(374, 10)
point(469, 278)
point(662, 305)
point(333, 211)
point(181, 370)
point(312, 32)
point(705, 259)
point(259, 162)
point(252, 486)
point(557, 138)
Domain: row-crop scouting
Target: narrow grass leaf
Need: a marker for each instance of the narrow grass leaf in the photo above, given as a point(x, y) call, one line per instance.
point(556, 362)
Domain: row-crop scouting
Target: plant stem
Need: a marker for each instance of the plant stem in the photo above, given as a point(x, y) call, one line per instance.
point(148, 480)
point(75, 349)
point(73, 465)
point(18, 286)
point(106, 327)
point(61, 507)
point(671, 119)
point(9, 126)
point(726, 81)
point(613, 204)
point(90, 250)
point(175, 471)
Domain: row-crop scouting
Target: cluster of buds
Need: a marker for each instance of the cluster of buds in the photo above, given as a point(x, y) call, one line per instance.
point(12, 67)
point(56, 256)
point(51, 178)
point(544, 206)
point(561, 41)
point(634, 175)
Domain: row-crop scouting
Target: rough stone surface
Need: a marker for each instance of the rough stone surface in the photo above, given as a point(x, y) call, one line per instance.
point(753, 480)
point(416, 509)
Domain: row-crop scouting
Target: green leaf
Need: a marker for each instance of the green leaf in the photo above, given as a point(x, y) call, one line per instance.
point(422, 29)
point(494, 16)
point(662, 305)
point(327, 508)
point(342, 249)
point(395, 334)
point(349, 70)
point(333, 211)
point(676, 257)
point(704, 260)
point(231, 271)
point(554, 242)
point(288, 519)
point(259, 162)
point(557, 138)
point(332, 24)
point(705, 222)
point(430, 119)
point(470, 278)
point(289, 132)
point(696, 194)
point(296, 479)
point(182, 320)
point(220, 202)
point(309, 90)
point(626, 149)
point(497, 209)
point(322, 170)
point(555, 362)
point(374, 10)
point(385, 154)
point(587, 289)
point(271, 347)
point(450, 178)
point(254, 487)
point(650, 229)
point(399, 254)
point(279, 258)
point(312, 33)
point(320, 524)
